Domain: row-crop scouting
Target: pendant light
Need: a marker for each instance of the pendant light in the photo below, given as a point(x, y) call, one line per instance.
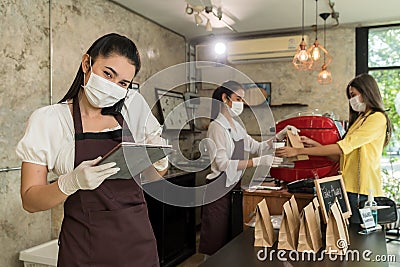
point(325, 76)
point(314, 50)
point(302, 59)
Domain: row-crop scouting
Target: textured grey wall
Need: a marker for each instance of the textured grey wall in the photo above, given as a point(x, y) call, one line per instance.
point(25, 61)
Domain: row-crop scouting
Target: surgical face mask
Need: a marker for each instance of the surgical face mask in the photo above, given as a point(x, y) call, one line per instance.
point(236, 109)
point(102, 93)
point(356, 105)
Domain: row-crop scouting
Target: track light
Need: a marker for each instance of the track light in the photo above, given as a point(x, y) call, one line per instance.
point(201, 12)
point(208, 9)
point(198, 19)
point(189, 10)
point(208, 26)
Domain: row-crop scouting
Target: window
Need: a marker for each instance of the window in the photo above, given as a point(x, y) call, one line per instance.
point(378, 53)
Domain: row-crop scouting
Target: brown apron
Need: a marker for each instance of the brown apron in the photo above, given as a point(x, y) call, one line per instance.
point(108, 226)
point(216, 216)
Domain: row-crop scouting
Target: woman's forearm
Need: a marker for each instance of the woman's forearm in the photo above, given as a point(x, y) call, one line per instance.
point(36, 193)
point(42, 197)
point(323, 150)
point(244, 164)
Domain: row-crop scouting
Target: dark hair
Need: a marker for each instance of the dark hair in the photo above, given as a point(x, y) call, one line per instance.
point(105, 46)
point(369, 90)
point(228, 88)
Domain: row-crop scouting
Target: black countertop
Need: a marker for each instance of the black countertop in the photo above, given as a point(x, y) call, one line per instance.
point(241, 252)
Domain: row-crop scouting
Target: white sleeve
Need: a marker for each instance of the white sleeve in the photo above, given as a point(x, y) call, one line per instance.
point(144, 126)
point(221, 143)
point(41, 141)
point(254, 147)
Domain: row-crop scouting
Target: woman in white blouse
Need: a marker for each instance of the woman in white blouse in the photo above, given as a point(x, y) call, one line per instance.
point(105, 221)
point(229, 141)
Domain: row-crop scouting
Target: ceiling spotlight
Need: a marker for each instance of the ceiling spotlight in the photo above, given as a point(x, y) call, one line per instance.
point(189, 10)
point(208, 26)
point(220, 48)
point(219, 13)
point(208, 9)
point(198, 19)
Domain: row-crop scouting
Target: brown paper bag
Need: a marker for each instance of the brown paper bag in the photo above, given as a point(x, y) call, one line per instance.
point(310, 238)
point(345, 222)
point(294, 141)
point(264, 235)
point(289, 230)
point(337, 237)
point(317, 212)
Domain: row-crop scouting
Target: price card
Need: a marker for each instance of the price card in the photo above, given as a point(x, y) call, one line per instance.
point(367, 218)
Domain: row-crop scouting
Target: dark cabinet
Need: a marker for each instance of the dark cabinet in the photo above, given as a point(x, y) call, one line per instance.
point(174, 227)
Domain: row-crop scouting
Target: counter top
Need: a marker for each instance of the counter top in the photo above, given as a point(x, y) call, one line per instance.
point(241, 252)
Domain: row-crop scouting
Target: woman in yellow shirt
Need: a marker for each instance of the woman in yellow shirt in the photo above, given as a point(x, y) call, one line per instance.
point(361, 147)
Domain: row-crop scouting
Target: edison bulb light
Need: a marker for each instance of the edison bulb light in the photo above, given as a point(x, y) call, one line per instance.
point(315, 54)
point(303, 56)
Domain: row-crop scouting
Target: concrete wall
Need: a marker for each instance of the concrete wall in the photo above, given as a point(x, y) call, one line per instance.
point(25, 76)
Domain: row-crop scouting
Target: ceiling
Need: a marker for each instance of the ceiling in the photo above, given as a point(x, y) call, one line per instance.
point(262, 15)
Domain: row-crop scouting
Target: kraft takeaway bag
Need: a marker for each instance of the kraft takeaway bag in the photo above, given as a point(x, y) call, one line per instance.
point(310, 238)
point(289, 230)
point(295, 141)
point(264, 235)
point(337, 235)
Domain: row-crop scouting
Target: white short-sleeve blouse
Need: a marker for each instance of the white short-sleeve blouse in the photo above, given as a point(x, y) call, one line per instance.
point(49, 136)
point(220, 144)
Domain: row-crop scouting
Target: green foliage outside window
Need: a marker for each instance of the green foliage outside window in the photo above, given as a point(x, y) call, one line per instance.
point(384, 52)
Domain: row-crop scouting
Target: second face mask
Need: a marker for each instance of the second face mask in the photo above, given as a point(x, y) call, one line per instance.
point(356, 104)
point(236, 109)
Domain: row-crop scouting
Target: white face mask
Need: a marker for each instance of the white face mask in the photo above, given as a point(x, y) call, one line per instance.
point(356, 105)
point(102, 93)
point(236, 109)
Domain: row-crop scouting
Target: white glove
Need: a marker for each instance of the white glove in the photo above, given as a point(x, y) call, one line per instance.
point(282, 134)
point(86, 176)
point(267, 160)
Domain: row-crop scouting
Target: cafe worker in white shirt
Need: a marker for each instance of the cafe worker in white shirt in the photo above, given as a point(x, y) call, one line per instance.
point(227, 142)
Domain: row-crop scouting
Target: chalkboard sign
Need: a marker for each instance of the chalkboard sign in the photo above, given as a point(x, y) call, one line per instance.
point(328, 189)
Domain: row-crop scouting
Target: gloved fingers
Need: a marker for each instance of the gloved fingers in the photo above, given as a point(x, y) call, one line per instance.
point(90, 162)
point(103, 167)
point(277, 161)
point(99, 178)
point(107, 173)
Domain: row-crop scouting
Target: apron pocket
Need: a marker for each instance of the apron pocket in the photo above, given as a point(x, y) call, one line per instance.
point(122, 237)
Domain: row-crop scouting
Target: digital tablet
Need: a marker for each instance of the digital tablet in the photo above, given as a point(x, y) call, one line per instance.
point(133, 158)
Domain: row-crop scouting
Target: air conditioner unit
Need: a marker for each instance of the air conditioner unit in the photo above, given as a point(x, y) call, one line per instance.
point(261, 49)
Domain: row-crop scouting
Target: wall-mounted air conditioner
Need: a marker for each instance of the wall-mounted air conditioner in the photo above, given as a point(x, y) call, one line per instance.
point(261, 49)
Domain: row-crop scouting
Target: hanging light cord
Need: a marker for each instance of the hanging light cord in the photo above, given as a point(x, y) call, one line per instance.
point(302, 21)
point(324, 38)
point(316, 19)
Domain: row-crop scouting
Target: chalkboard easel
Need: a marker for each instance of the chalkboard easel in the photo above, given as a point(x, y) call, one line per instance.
point(328, 189)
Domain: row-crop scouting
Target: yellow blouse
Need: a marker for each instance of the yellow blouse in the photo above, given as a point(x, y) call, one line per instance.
point(364, 140)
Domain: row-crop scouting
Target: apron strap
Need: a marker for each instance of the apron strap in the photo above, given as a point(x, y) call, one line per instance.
point(76, 114)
